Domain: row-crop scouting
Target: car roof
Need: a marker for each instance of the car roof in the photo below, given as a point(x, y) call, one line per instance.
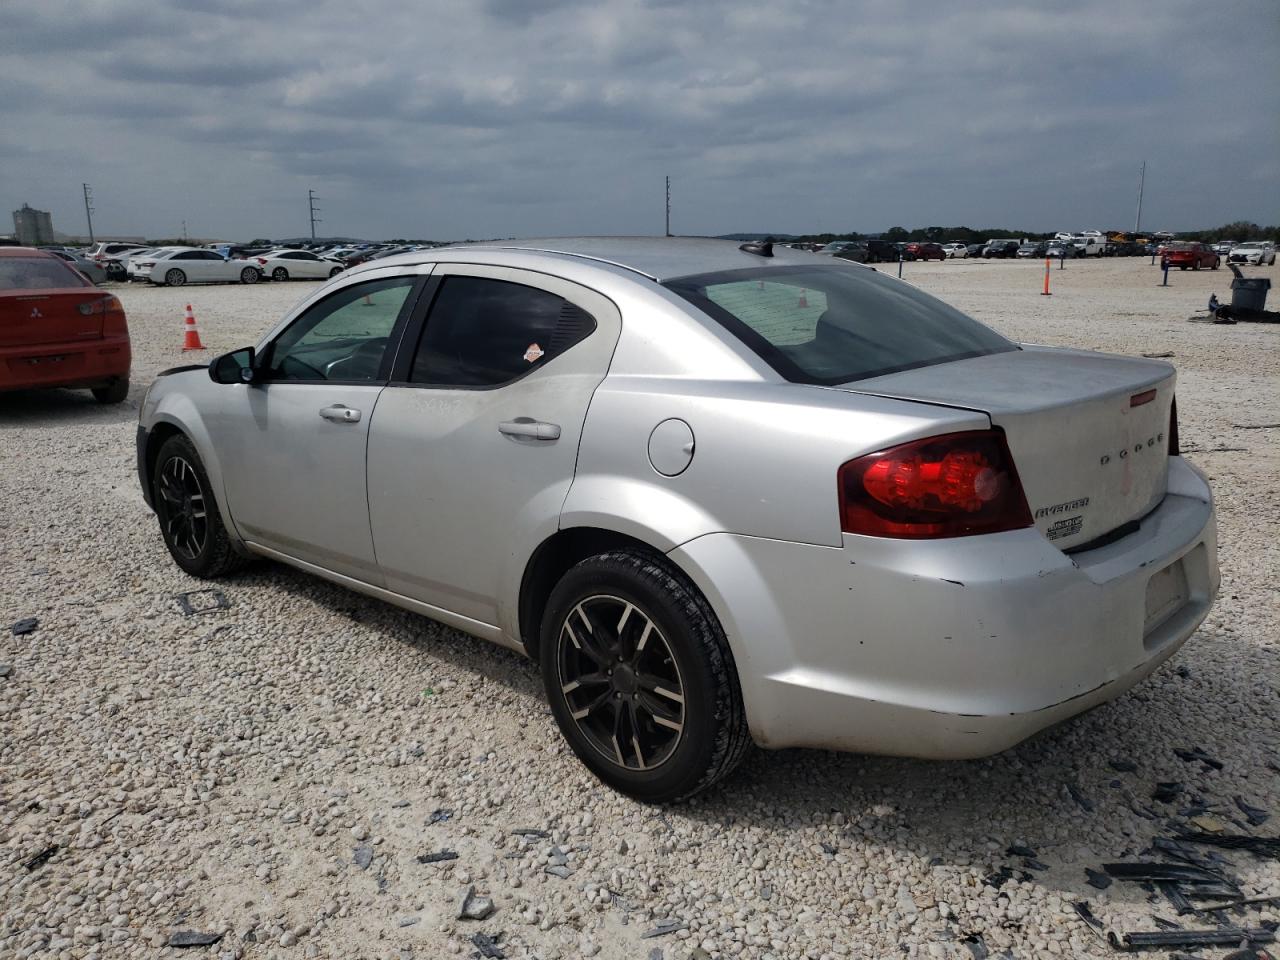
point(658, 258)
point(25, 252)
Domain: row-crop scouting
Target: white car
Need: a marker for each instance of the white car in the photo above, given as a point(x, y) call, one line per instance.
point(175, 266)
point(297, 265)
point(1258, 252)
point(954, 250)
point(136, 257)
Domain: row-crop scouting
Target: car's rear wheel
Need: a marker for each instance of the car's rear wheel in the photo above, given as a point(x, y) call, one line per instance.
point(249, 275)
point(640, 678)
point(175, 278)
point(279, 273)
point(188, 513)
point(114, 392)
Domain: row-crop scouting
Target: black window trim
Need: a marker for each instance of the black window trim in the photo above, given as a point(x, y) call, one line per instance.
point(775, 358)
point(412, 302)
point(412, 339)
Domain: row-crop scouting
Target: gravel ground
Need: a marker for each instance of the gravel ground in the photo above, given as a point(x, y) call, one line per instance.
point(274, 771)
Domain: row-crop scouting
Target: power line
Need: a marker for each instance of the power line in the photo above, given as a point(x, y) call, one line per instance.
point(88, 208)
point(311, 203)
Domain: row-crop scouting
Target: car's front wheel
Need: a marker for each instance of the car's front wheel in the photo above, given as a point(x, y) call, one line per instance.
point(188, 513)
point(640, 678)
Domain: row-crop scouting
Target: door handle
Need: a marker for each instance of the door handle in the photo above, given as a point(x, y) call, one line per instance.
point(529, 429)
point(339, 413)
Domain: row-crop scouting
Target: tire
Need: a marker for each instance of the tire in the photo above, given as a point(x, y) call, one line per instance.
point(673, 667)
point(114, 393)
point(1196, 265)
point(334, 272)
point(279, 273)
point(174, 278)
point(249, 275)
point(181, 490)
point(1216, 264)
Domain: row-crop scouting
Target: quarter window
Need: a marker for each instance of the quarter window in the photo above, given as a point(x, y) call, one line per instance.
point(484, 333)
point(343, 337)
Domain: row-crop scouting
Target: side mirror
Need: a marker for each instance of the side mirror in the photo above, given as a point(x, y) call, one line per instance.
point(234, 367)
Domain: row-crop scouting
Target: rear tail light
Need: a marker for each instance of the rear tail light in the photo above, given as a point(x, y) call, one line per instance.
point(261, 261)
point(112, 311)
point(956, 485)
point(1174, 449)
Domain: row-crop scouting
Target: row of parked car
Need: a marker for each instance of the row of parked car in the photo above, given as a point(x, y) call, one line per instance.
point(176, 266)
point(1090, 243)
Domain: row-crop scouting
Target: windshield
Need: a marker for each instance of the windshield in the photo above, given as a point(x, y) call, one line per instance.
point(829, 325)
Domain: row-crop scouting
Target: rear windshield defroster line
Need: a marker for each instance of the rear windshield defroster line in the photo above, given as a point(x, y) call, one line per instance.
point(831, 324)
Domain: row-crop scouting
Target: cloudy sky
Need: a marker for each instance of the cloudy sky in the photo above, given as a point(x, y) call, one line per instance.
point(485, 118)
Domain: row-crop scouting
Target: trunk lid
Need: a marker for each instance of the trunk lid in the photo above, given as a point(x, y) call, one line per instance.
point(1088, 437)
point(36, 316)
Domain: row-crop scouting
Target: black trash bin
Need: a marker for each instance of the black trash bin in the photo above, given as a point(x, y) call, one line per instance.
point(1250, 293)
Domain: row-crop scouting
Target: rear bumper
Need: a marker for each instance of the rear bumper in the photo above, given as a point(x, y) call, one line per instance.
point(87, 363)
point(954, 648)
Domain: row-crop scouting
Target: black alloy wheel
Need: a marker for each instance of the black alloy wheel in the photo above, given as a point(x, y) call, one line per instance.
point(640, 677)
point(188, 513)
point(621, 682)
point(182, 507)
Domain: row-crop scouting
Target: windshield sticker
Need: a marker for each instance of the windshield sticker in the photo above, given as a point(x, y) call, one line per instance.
point(534, 353)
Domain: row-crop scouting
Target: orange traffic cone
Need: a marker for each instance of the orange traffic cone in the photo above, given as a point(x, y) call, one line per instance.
point(804, 300)
point(191, 336)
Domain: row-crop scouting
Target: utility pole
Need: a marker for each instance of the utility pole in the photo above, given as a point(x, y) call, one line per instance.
point(88, 209)
point(1142, 177)
point(311, 202)
point(668, 206)
point(184, 230)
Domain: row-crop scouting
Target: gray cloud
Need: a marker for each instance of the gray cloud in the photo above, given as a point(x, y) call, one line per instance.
point(513, 117)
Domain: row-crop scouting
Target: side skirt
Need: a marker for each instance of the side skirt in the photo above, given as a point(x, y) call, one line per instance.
point(476, 628)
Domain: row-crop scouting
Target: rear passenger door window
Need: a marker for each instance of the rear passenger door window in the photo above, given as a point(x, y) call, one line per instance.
point(484, 333)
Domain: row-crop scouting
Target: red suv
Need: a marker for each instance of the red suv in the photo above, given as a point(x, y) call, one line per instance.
point(1193, 255)
point(58, 330)
point(924, 251)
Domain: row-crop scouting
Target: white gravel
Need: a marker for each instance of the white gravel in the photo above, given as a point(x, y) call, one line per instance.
point(273, 771)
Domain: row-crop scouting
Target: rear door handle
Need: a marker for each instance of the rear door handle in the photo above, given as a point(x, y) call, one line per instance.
point(529, 429)
point(340, 413)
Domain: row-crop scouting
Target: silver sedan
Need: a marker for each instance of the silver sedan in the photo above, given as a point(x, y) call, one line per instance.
point(719, 493)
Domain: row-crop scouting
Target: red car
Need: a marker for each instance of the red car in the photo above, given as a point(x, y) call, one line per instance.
point(924, 251)
point(58, 330)
point(1193, 255)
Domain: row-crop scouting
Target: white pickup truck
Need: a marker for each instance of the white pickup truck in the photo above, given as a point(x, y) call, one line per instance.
point(1089, 244)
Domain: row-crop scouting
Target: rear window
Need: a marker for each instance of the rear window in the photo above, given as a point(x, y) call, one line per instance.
point(38, 273)
point(828, 325)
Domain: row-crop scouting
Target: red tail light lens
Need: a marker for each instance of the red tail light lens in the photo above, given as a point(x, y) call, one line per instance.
point(956, 485)
point(261, 261)
point(1174, 449)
